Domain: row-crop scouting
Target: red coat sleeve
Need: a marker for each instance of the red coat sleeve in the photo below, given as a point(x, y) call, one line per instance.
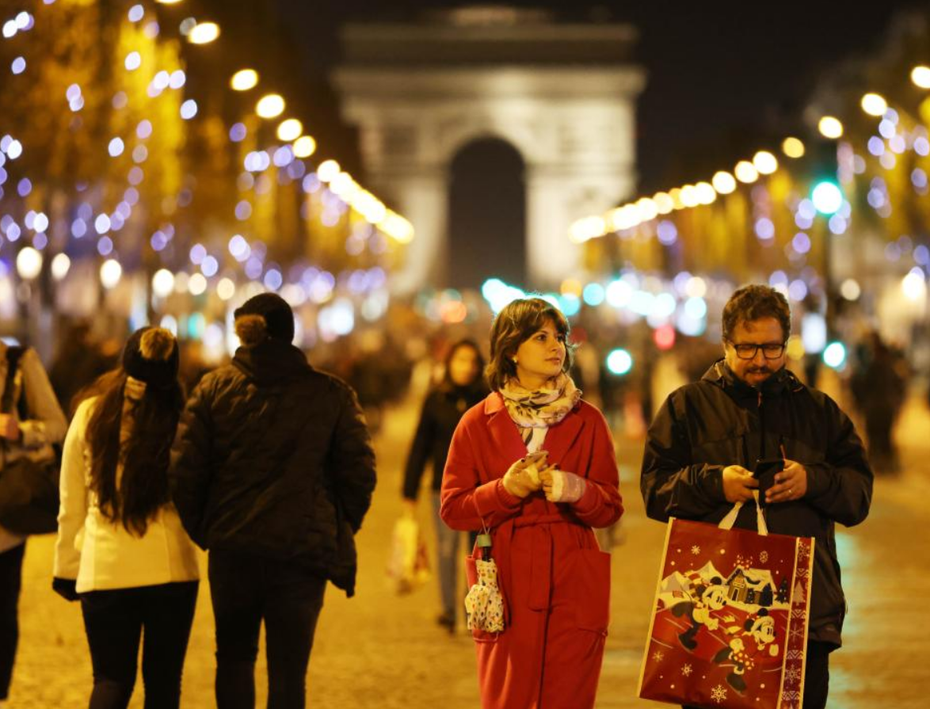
point(467, 503)
point(601, 505)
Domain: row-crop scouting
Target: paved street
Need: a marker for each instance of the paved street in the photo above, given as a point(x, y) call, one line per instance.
point(381, 650)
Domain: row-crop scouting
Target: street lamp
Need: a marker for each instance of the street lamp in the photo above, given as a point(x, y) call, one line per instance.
point(705, 192)
point(28, 263)
point(203, 33)
point(61, 264)
point(664, 202)
point(110, 273)
point(874, 104)
point(290, 130)
point(765, 162)
point(163, 283)
point(830, 127)
point(724, 183)
point(304, 146)
point(793, 148)
point(244, 79)
point(920, 75)
point(327, 170)
point(270, 106)
point(746, 172)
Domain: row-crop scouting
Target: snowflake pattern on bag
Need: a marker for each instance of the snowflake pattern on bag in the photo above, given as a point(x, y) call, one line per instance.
point(484, 605)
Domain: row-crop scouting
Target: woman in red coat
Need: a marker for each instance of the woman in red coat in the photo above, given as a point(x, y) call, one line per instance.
point(554, 580)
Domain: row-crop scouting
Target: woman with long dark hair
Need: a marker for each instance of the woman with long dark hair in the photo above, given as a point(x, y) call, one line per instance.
point(460, 389)
point(121, 548)
point(533, 468)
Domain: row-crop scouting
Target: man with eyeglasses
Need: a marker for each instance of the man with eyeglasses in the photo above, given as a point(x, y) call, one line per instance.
point(705, 441)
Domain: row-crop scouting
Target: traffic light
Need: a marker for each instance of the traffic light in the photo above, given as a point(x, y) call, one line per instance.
point(827, 197)
point(822, 167)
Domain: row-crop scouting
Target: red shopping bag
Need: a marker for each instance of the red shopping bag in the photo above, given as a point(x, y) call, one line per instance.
point(729, 625)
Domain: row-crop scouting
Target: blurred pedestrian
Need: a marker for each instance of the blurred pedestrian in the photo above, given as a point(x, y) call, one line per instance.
point(79, 359)
point(272, 472)
point(879, 389)
point(460, 389)
point(121, 548)
point(554, 580)
point(31, 421)
point(706, 439)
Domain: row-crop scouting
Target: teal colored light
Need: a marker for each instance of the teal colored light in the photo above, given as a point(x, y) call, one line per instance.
point(551, 298)
point(498, 294)
point(593, 294)
point(196, 324)
point(834, 355)
point(827, 197)
point(569, 305)
point(492, 288)
point(619, 362)
point(696, 308)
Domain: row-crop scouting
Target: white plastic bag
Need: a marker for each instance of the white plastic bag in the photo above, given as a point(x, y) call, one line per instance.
point(408, 565)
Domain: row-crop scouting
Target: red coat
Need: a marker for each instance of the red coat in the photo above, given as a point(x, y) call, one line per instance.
point(554, 579)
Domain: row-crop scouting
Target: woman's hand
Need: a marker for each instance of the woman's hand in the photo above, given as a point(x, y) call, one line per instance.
point(520, 480)
point(561, 486)
point(9, 428)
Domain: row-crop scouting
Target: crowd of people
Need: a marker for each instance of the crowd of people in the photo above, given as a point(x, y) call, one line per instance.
point(268, 465)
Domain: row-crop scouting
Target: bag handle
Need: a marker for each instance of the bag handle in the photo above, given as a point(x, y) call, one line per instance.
point(13, 355)
point(730, 519)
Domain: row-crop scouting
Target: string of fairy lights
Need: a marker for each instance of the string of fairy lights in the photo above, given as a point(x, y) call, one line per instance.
point(95, 224)
point(678, 303)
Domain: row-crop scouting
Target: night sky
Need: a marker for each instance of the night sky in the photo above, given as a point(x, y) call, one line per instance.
point(720, 75)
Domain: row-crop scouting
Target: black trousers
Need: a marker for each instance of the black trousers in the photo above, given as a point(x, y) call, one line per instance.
point(116, 620)
point(816, 676)
point(247, 589)
point(11, 572)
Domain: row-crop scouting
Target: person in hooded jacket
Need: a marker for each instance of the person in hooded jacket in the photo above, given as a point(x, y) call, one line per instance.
point(460, 389)
point(703, 444)
point(272, 472)
point(121, 548)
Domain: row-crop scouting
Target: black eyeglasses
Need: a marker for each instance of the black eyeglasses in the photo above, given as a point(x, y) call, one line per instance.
point(747, 351)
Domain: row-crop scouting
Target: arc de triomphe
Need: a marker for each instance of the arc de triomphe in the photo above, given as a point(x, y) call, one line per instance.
point(563, 95)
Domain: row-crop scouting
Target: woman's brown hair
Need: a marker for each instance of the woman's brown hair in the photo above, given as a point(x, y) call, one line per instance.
point(515, 324)
point(134, 498)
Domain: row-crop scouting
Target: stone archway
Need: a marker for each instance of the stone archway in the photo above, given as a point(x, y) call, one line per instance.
point(486, 231)
point(562, 95)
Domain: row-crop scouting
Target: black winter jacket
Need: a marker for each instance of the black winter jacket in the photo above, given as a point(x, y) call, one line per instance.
point(442, 411)
point(720, 421)
point(266, 448)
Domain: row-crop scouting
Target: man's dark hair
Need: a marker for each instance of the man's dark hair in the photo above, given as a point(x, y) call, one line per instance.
point(515, 324)
point(752, 303)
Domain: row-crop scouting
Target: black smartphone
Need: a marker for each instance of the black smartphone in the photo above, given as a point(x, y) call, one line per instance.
point(764, 472)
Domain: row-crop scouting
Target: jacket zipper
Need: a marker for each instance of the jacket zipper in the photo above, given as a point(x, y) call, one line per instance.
point(761, 428)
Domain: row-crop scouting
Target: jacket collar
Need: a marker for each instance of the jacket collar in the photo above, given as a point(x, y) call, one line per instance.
point(779, 383)
point(506, 435)
point(271, 362)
